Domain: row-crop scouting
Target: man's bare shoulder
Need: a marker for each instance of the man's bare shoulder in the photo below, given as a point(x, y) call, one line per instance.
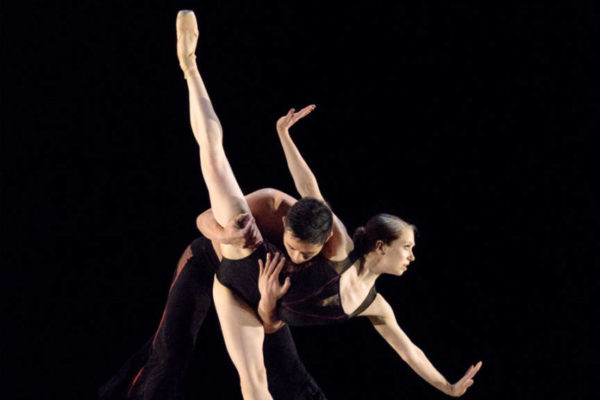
point(273, 200)
point(339, 245)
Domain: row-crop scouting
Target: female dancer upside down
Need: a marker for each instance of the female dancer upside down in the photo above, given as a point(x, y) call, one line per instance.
point(341, 282)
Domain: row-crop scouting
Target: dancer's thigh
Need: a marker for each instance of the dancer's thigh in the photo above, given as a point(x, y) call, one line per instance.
point(243, 333)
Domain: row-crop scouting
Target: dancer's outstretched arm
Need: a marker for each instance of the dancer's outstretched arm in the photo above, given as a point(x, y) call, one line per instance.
point(382, 317)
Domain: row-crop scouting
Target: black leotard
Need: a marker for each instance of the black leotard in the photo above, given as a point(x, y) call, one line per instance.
point(157, 370)
point(241, 275)
point(314, 296)
point(315, 299)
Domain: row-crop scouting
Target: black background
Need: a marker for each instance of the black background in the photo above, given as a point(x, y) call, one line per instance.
point(475, 122)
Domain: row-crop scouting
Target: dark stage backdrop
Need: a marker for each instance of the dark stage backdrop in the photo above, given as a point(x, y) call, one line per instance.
point(475, 122)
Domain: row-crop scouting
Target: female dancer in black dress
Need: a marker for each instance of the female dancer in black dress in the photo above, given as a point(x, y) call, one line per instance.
point(157, 370)
point(387, 244)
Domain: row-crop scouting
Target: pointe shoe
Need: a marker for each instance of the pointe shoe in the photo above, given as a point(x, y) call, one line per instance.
point(187, 39)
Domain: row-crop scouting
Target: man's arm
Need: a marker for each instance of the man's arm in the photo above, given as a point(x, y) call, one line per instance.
point(382, 317)
point(241, 231)
point(267, 206)
point(304, 179)
point(340, 243)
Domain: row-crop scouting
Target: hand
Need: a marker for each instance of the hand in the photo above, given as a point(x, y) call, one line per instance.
point(241, 231)
point(460, 387)
point(284, 123)
point(268, 280)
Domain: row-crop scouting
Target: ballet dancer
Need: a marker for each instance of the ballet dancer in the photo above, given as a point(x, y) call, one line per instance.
point(383, 246)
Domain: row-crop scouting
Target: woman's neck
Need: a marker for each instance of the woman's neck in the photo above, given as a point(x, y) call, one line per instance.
point(367, 271)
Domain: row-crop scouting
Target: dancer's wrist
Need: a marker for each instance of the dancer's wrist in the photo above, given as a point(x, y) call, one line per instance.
point(266, 306)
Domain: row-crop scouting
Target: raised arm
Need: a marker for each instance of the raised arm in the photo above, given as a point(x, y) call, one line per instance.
point(382, 317)
point(340, 243)
point(304, 179)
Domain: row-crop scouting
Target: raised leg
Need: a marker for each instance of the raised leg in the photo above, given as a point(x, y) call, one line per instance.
point(226, 197)
point(242, 331)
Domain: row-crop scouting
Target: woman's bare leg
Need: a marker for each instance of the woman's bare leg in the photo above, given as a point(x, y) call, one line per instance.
point(242, 331)
point(244, 335)
point(226, 197)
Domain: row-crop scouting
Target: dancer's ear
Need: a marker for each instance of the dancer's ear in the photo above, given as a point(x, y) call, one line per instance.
point(379, 247)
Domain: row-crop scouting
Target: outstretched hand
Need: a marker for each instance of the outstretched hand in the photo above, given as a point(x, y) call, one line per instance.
point(460, 387)
point(268, 279)
point(284, 123)
point(241, 231)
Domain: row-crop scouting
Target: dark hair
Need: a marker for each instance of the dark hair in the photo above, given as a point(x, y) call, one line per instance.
point(384, 227)
point(310, 220)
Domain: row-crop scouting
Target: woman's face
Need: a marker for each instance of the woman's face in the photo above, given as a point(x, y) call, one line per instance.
point(399, 254)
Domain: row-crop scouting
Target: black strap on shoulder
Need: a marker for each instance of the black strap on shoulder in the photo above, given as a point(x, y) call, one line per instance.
point(366, 302)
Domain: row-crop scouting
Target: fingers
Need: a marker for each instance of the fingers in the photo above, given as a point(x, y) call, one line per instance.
point(290, 116)
point(253, 237)
point(286, 286)
point(467, 380)
point(276, 266)
point(243, 220)
point(261, 267)
point(279, 267)
point(473, 369)
point(273, 264)
point(304, 112)
point(307, 110)
point(245, 225)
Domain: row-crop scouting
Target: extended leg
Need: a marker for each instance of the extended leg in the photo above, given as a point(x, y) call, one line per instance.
point(226, 197)
point(242, 331)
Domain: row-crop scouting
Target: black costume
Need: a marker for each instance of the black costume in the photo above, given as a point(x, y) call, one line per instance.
point(156, 371)
point(316, 298)
point(313, 298)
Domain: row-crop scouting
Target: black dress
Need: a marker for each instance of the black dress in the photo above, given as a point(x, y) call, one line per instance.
point(314, 296)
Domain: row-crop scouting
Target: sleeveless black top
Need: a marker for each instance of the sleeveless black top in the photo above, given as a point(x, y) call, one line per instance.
point(314, 296)
point(241, 276)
